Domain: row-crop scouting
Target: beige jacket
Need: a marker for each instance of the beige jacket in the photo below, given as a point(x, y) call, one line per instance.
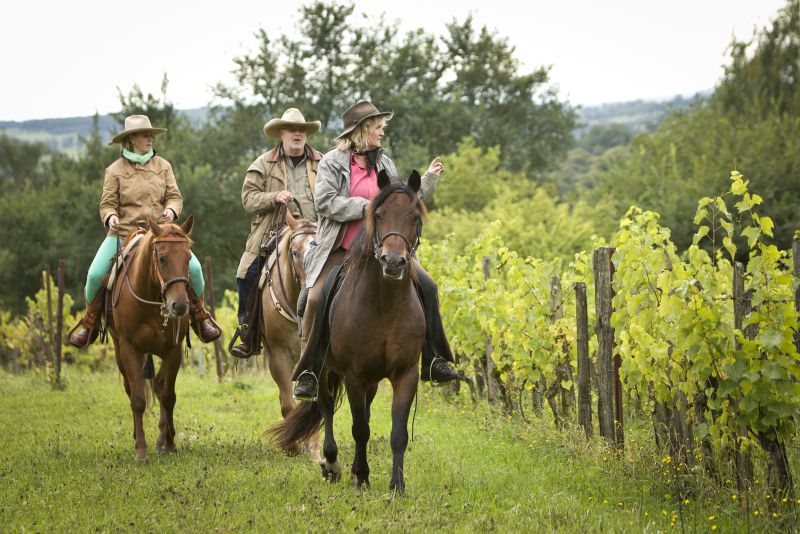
point(132, 192)
point(265, 177)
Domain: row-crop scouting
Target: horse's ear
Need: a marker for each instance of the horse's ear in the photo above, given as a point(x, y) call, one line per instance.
point(187, 225)
point(383, 179)
point(414, 181)
point(154, 226)
point(290, 220)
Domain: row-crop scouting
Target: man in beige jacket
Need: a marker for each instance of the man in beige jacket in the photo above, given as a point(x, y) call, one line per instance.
point(278, 177)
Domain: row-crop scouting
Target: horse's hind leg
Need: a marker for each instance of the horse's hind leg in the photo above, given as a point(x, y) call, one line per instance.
point(131, 364)
point(165, 390)
point(360, 410)
point(405, 387)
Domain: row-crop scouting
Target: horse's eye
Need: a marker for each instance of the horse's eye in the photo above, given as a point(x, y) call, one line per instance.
point(378, 216)
point(162, 260)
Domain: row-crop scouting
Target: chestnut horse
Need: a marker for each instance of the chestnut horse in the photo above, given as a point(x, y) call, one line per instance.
point(285, 277)
point(377, 328)
point(149, 316)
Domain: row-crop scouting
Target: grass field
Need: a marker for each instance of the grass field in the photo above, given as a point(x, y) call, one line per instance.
point(66, 464)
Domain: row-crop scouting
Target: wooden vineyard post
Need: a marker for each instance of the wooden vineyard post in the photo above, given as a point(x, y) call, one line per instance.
point(213, 304)
point(609, 386)
point(59, 321)
point(491, 386)
point(50, 337)
point(584, 369)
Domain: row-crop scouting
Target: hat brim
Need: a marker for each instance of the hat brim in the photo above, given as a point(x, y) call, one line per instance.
point(120, 136)
point(388, 114)
point(273, 128)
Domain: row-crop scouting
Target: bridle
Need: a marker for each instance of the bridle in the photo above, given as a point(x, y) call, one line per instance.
point(302, 231)
point(162, 283)
point(377, 242)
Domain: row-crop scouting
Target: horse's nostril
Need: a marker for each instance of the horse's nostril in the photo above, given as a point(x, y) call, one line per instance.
point(178, 308)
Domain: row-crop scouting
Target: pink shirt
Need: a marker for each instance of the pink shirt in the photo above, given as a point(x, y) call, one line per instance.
point(362, 184)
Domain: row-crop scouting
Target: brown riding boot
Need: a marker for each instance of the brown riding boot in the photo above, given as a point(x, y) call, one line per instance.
point(85, 332)
point(203, 324)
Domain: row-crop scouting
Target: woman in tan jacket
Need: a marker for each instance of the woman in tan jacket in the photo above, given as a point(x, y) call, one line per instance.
point(137, 185)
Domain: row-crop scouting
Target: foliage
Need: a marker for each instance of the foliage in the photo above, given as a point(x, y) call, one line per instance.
point(466, 83)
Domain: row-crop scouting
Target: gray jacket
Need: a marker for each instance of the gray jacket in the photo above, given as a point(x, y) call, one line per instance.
point(335, 207)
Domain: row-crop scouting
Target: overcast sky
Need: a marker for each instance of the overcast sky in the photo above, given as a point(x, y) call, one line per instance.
point(63, 59)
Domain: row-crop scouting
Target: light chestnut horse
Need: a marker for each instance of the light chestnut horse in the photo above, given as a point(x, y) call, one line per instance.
point(149, 316)
point(285, 277)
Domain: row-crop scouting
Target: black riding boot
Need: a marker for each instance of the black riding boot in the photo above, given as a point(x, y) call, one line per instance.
point(436, 351)
point(248, 312)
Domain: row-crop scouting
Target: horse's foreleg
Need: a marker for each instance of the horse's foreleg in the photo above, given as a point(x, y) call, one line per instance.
point(165, 389)
point(331, 469)
point(280, 367)
point(132, 362)
point(359, 409)
point(405, 387)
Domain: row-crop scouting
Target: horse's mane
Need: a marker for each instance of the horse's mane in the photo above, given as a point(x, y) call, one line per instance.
point(361, 249)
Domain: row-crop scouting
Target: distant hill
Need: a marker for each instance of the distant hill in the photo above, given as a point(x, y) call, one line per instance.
point(64, 134)
point(636, 115)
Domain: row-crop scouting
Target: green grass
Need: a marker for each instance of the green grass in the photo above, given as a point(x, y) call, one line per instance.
point(66, 464)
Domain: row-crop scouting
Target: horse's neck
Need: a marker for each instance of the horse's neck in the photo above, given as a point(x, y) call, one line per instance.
point(141, 272)
point(372, 288)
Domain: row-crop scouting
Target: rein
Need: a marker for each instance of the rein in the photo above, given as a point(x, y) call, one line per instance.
point(163, 284)
point(292, 313)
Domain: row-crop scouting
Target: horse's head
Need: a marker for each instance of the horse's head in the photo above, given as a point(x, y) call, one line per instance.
point(394, 223)
point(300, 234)
point(171, 251)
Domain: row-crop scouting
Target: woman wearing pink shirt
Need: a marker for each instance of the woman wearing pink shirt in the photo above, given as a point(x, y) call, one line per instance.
point(347, 179)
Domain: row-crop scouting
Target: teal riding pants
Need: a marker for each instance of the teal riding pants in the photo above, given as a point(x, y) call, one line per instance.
point(101, 265)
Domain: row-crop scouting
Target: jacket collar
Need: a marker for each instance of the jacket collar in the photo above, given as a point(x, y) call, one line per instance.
point(276, 154)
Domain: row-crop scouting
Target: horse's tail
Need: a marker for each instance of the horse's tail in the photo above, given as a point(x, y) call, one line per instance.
point(306, 419)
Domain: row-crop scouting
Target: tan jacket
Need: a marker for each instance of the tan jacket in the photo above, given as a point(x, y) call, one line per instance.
point(132, 192)
point(265, 178)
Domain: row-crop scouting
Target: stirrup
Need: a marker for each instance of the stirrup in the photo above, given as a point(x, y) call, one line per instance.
point(434, 383)
point(316, 388)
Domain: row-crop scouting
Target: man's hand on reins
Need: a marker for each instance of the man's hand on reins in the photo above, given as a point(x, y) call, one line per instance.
point(284, 197)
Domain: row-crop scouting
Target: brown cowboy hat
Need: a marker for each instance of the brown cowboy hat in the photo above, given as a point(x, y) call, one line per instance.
point(358, 113)
point(136, 124)
point(290, 117)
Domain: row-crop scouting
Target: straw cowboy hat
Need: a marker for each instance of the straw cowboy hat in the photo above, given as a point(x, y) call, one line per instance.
point(290, 117)
point(136, 124)
point(358, 113)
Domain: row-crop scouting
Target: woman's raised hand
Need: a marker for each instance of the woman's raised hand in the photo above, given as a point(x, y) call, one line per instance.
point(436, 166)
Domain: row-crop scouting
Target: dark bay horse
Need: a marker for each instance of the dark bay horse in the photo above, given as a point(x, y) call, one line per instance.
point(377, 328)
point(285, 276)
point(149, 316)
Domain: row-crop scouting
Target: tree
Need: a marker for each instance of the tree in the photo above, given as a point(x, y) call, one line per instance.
point(466, 83)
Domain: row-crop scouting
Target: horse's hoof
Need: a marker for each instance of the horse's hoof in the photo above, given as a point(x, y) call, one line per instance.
point(162, 449)
point(397, 488)
point(331, 472)
point(141, 459)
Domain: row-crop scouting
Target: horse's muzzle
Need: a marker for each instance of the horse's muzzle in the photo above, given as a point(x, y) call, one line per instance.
point(394, 265)
point(178, 309)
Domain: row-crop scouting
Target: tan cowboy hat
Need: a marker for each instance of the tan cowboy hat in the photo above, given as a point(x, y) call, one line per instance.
point(136, 124)
point(290, 117)
point(357, 113)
